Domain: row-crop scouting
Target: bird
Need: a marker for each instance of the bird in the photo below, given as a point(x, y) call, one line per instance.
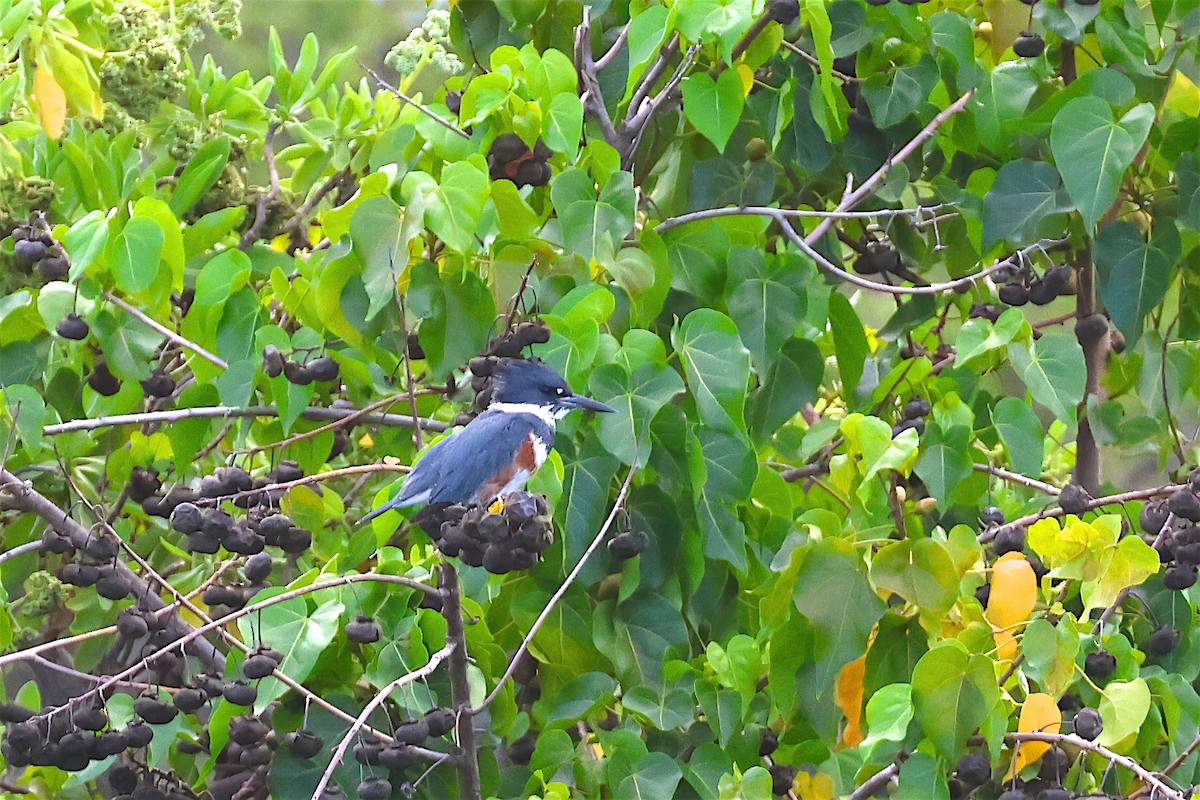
point(498, 451)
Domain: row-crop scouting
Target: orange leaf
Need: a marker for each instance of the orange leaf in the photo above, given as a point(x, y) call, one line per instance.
point(850, 699)
point(51, 102)
point(1013, 595)
point(1041, 714)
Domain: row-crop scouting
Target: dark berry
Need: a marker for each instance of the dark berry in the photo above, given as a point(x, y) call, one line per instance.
point(992, 516)
point(154, 709)
point(1162, 641)
point(769, 743)
point(411, 732)
point(1074, 499)
point(272, 361)
point(297, 373)
point(1089, 329)
point(258, 567)
point(189, 699)
point(974, 769)
point(102, 380)
point(1183, 503)
point(54, 268)
point(1040, 294)
point(784, 12)
point(303, 743)
point(375, 788)
point(1014, 294)
point(258, 666)
point(323, 369)
point(80, 574)
point(1100, 665)
point(187, 518)
point(1009, 540)
point(1152, 517)
point(782, 778)
point(627, 544)
point(139, 735)
point(159, 384)
point(112, 587)
point(439, 721)
point(240, 693)
point(1180, 576)
point(1088, 724)
point(73, 327)
point(917, 408)
point(363, 630)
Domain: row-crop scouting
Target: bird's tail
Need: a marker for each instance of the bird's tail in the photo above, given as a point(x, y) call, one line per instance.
point(388, 506)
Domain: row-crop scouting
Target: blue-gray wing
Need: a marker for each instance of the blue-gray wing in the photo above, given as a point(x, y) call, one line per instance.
point(483, 450)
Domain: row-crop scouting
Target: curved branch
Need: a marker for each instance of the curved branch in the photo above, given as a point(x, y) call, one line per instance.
point(1098, 502)
point(1016, 477)
point(562, 590)
point(434, 660)
point(768, 211)
point(1161, 789)
point(227, 412)
point(362, 469)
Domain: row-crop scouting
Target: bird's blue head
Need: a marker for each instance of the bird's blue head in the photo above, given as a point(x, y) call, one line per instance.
point(530, 382)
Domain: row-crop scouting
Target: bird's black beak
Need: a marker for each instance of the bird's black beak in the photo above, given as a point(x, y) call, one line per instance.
point(577, 401)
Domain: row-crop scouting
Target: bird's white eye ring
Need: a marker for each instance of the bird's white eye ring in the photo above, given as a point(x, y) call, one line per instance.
point(561, 391)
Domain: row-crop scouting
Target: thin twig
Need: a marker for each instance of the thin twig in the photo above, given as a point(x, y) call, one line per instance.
point(816, 62)
point(254, 232)
point(338, 753)
point(853, 198)
point(353, 415)
point(767, 211)
point(562, 590)
point(877, 781)
point(1016, 477)
point(319, 477)
point(1095, 503)
point(165, 331)
point(227, 412)
point(469, 787)
point(440, 120)
point(604, 60)
point(21, 549)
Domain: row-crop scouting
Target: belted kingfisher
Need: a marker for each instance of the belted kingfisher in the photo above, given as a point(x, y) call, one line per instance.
point(498, 451)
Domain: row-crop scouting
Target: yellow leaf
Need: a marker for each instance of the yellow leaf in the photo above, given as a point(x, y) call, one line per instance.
point(51, 102)
point(1039, 714)
point(813, 787)
point(1013, 595)
point(1183, 96)
point(850, 699)
point(747, 76)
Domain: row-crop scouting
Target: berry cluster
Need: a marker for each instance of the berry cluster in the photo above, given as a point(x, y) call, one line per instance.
point(511, 159)
point(507, 345)
point(322, 369)
point(913, 416)
point(505, 542)
point(34, 247)
point(1021, 286)
point(1172, 525)
point(436, 722)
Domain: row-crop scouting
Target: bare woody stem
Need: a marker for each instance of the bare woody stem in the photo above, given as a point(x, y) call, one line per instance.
point(1095, 503)
point(469, 786)
point(1159, 788)
point(165, 331)
point(228, 412)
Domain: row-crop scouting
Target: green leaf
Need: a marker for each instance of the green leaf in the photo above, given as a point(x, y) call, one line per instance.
point(714, 106)
point(895, 94)
point(382, 239)
point(1123, 708)
point(722, 467)
point(1022, 434)
point(456, 313)
point(296, 631)
point(1050, 653)
point(563, 123)
point(1134, 274)
point(953, 692)
point(1092, 151)
point(579, 697)
point(889, 710)
point(767, 310)
point(636, 398)
point(716, 365)
point(666, 711)
point(920, 571)
point(793, 380)
point(1053, 370)
point(200, 174)
point(945, 462)
point(1025, 203)
point(452, 205)
point(849, 343)
point(653, 778)
point(86, 240)
point(137, 251)
point(722, 710)
point(831, 569)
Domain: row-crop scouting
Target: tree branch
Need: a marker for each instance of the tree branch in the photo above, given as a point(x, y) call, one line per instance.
point(1016, 477)
point(460, 688)
point(434, 660)
point(1098, 502)
point(767, 211)
point(24, 497)
point(254, 232)
point(227, 412)
point(853, 198)
point(440, 120)
point(562, 590)
point(1160, 788)
point(165, 331)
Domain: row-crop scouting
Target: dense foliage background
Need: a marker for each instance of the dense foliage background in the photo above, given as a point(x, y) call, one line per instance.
point(897, 303)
